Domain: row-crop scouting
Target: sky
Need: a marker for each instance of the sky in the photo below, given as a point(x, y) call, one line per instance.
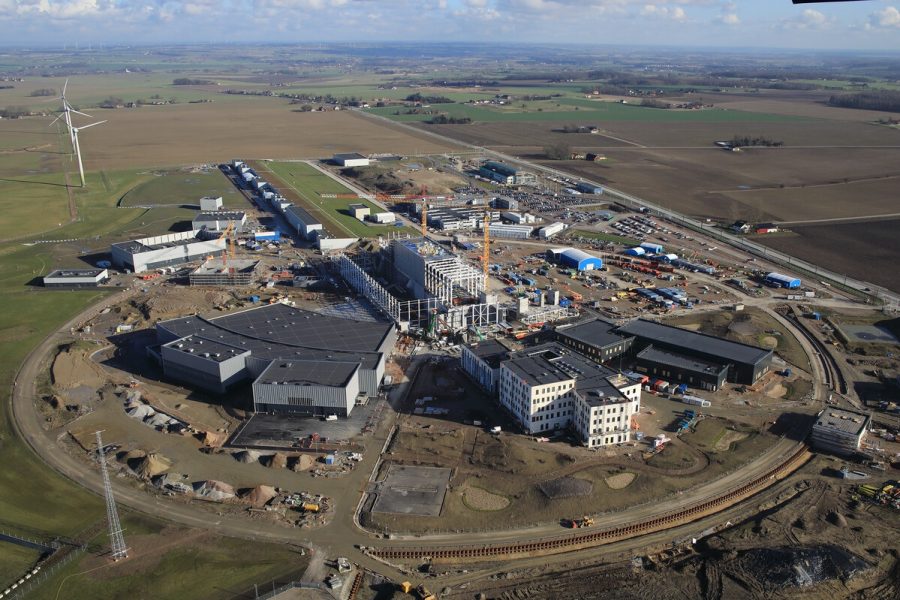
point(865, 25)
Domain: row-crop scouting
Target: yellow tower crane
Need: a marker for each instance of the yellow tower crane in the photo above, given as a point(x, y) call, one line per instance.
point(424, 216)
point(486, 252)
point(228, 234)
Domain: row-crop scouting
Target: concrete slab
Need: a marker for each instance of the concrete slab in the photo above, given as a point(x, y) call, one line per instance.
point(869, 333)
point(410, 490)
point(285, 430)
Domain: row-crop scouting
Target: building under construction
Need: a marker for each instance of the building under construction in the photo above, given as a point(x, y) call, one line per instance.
point(418, 283)
point(229, 272)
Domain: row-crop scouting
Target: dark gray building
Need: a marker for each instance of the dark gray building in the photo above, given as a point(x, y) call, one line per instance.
point(746, 364)
point(679, 368)
point(217, 353)
point(597, 339)
point(307, 387)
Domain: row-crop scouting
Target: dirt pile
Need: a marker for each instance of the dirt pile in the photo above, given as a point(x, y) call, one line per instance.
point(246, 456)
point(211, 439)
point(186, 302)
point(304, 462)
point(73, 368)
point(258, 496)
point(150, 465)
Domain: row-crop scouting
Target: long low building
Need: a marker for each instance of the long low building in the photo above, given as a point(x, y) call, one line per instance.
point(166, 250)
point(217, 353)
point(746, 364)
point(304, 223)
point(679, 368)
point(219, 220)
point(229, 272)
point(598, 339)
point(75, 278)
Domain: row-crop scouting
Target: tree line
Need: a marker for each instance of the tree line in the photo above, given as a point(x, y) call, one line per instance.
point(873, 100)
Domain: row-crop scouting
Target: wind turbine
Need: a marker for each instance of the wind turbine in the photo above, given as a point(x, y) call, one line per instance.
point(77, 146)
point(66, 114)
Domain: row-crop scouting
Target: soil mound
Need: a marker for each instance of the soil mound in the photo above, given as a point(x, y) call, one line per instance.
point(304, 462)
point(566, 487)
point(620, 481)
point(258, 496)
point(211, 439)
point(277, 461)
point(151, 465)
point(479, 499)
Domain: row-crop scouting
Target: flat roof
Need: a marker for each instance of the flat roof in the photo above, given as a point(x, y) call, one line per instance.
point(220, 215)
point(551, 362)
point(302, 214)
point(308, 372)
point(843, 421)
point(681, 361)
point(278, 331)
point(147, 245)
point(349, 156)
point(598, 333)
point(238, 265)
point(73, 273)
point(693, 341)
point(490, 351)
point(204, 348)
point(357, 206)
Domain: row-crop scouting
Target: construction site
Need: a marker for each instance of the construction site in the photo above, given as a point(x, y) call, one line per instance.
point(458, 382)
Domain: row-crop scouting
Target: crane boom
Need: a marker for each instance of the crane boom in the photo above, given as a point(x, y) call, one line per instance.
point(486, 256)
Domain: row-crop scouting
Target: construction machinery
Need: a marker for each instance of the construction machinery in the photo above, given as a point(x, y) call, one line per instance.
point(228, 234)
point(486, 251)
point(579, 523)
point(424, 594)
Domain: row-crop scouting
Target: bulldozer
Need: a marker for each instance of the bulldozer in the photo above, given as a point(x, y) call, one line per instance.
point(578, 523)
point(421, 592)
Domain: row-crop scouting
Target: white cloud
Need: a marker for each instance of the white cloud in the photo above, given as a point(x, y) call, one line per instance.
point(888, 17)
point(729, 19)
point(808, 19)
point(675, 13)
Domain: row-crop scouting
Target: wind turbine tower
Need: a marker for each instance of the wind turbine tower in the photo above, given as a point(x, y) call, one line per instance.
point(66, 114)
point(77, 146)
point(117, 540)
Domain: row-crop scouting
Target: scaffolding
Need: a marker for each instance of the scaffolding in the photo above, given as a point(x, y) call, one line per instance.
point(446, 277)
point(367, 287)
point(550, 313)
point(459, 318)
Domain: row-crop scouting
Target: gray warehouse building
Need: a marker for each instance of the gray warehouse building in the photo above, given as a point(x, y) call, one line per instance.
point(745, 363)
point(219, 220)
point(166, 250)
point(302, 221)
point(679, 368)
point(300, 361)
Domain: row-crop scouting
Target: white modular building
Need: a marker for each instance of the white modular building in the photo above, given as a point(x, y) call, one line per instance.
point(545, 233)
point(75, 278)
point(166, 250)
point(383, 217)
point(210, 203)
point(516, 232)
point(350, 159)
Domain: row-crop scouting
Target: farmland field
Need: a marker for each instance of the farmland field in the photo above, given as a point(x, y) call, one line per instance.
point(867, 250)
point(184, 186)
point(569, 109)
point(309, 184)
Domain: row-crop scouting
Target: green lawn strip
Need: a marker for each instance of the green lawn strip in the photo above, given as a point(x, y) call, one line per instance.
point(310, 184)
point(15, 560)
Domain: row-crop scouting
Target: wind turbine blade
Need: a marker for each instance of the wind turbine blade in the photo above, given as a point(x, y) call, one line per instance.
point(86, 126)
point(65, 85)
point(78, 112)
point(60, 116)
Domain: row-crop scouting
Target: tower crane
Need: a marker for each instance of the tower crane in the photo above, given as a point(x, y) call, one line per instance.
point(228, 234)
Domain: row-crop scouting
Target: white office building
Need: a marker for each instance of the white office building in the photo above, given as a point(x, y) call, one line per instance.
point(550, 387)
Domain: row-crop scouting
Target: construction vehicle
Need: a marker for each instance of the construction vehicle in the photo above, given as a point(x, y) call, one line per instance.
point(578, 523)
point(424, 593)
point(310, 507)
point(406, 587)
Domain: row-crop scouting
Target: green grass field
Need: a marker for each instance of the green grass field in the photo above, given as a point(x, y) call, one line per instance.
point(176, 187)
point(14, 561)
point(603, 237)
point(581, 110)
point(211, 568)
point(310, 183)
